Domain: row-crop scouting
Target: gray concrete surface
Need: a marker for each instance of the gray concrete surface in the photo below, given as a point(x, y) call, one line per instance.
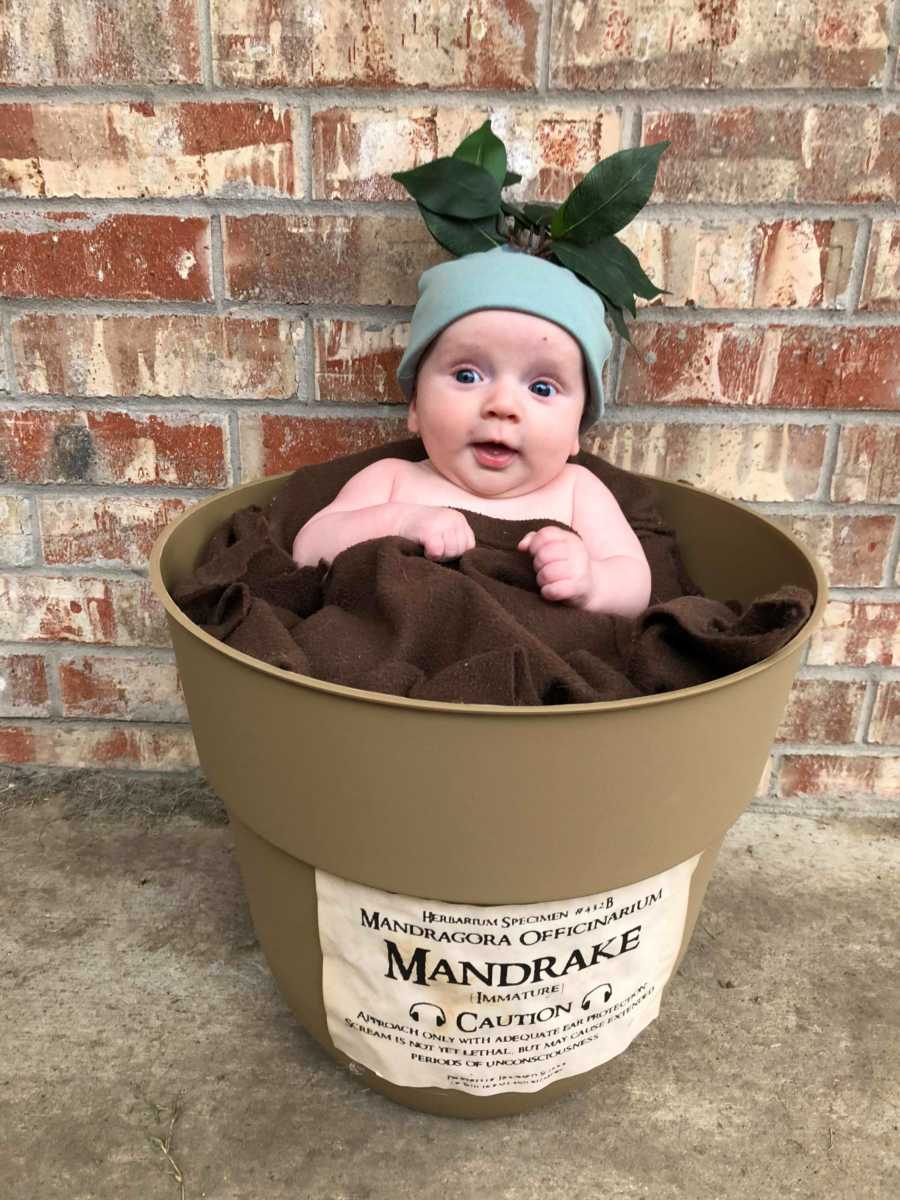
point(136, 1005)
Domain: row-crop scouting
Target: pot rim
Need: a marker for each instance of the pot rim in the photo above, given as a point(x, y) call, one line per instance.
point(446, 706)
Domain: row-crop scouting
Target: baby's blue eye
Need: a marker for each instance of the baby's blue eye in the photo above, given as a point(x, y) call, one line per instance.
point(464, 371)
point(544, 383)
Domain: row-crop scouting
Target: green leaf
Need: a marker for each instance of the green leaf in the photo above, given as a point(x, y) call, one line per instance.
point(601, 273)
point(452, 187)
point(484, 149)
point(628, 263)
point(618, 319)
point(512, 210)
point(610, 195)
point(462, 237)
point(539, 214)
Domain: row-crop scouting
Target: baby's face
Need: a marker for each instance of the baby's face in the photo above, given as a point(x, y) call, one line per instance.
point(498, 400)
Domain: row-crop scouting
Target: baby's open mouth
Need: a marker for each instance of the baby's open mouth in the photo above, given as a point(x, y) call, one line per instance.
point(493, 454)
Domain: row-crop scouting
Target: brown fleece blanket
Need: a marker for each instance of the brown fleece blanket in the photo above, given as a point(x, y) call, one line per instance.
point(475, 630)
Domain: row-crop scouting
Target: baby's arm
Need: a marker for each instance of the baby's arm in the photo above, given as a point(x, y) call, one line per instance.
point(604, 570)
point(621, 573)
point(363, 509)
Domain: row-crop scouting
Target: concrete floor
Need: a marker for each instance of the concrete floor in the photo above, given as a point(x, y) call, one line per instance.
point(133, 992)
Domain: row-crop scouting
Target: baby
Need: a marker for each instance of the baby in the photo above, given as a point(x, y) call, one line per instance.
point(502, 371)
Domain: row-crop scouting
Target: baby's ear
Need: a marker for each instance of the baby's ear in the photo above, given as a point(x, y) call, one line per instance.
point(412, 417)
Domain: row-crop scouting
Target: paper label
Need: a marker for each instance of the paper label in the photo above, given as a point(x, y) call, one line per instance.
point(488, 999)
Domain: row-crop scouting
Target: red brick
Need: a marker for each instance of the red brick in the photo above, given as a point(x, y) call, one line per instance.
point(839, 777)
point(853, 551)
point(858, 633)
point(785, 366)
point(230, 358)
point(80, 608)
point(356, 362)
point(327, 260)
point(273, 443)
point(822, 710)
point(17, 744)
point(745, 264)
point(716, 43)
point(139, 148)
point(868, 465)
point(137, 687)
point(16, 546)
point(23, 686)
point(355, 150)
point(837, 368)
point(50, 446)
point(73, 744)
point(747, 155)
point(386, 44)
point(43, 42)
point(881, 283)
point(116, 531)
point(884, 727)
point(103, 256)
point(742, 462)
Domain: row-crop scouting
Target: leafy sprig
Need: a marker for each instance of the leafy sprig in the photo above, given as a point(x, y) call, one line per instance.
point(460, 199)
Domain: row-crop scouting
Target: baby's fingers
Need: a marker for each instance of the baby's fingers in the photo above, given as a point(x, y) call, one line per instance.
point(565, 589)
point(553, 573)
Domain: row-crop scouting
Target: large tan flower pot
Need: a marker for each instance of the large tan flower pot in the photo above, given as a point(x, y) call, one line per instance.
point(483, 819)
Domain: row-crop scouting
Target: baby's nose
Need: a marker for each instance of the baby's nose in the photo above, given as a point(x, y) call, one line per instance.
point(502, 400)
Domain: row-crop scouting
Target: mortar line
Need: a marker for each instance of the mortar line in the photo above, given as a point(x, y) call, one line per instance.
point(310, 392)
point(52, 657)
point(303, 153)
point(890, 61)
point(864, 595)
point(256, 309)
point(545, 32)
point(858, 264)
point(854, 805)
point(865, 716)
point(616, 367)
point(666, 98)
point(204, 23)
point(217, 262)
point(233, 433)
point(892, 558)
point(729, 416)
point(7, 363)
point(77, 570)
point(97, 723)
point(650, 414)
point(631, 131)
point(72, 489)
point(38, 535)
point(829, 460)
point(270, 204)
point(158, 654)
point(837, 749)
point(841, 673)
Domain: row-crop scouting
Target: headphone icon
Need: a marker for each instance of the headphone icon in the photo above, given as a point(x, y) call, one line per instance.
point(439, 1020)
point(607, 992)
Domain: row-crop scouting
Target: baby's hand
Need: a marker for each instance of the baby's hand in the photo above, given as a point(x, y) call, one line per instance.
point(561, 563)
point(444, 532)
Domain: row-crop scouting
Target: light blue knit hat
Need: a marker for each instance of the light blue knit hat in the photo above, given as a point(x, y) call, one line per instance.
point(505, 277)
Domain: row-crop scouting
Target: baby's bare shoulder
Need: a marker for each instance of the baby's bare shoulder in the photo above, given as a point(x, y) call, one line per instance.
point(370, 485)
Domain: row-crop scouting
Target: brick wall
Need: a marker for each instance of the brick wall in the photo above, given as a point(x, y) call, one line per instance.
point(205, 271)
